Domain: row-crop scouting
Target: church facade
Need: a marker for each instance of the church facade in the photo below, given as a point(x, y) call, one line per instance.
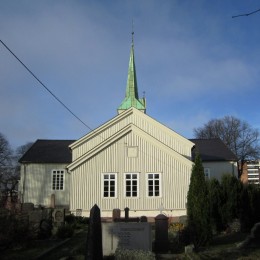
point(130, 161)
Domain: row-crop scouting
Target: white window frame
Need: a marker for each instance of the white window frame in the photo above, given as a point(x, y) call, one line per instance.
point(153, 184)
point(207, 173)
point(109, 174)
point(58, 179)
point(131, 180)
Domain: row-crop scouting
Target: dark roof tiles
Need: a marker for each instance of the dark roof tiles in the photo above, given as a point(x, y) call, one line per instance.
point(212, 150)
point(57, 151)
point(48, 151)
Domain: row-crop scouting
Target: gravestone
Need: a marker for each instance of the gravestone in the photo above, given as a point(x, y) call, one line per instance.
point(94, 236)
point(116, 214)
point(161, 234)
point(126, 235)
point(52, 201)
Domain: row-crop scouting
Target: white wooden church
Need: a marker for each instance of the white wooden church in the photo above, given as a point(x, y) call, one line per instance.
point(130, 161)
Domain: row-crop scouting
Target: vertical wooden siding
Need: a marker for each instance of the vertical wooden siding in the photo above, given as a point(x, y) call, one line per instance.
point(38, 186)
point(149, 125)
point(86, 188)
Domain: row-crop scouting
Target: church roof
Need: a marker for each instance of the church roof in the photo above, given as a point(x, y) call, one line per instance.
point(212, 150)
point(131, 96)
point(48, 151)
point(57, 151)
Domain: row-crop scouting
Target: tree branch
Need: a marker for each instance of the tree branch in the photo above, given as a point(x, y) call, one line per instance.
point(235, 16)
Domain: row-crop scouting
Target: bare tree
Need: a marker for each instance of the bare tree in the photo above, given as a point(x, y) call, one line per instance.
point(19, 152)
point(9, 168)
point(5, 165)
point(239, 136)
point(5, 151)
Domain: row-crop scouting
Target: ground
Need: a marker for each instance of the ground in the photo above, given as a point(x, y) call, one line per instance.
point(223, 247)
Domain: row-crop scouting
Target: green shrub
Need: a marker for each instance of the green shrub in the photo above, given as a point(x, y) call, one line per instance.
point(13, 231)
point(127, 254)
point(65, 231)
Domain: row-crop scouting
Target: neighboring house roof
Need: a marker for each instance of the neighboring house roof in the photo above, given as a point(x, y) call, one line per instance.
point(212, 150)
point(48, 151)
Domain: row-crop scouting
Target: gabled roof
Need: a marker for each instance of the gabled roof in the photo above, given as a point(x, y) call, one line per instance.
point(141, 120)
point(117, 136)
point(48, 151)
point(57, 151)
point(212, 150)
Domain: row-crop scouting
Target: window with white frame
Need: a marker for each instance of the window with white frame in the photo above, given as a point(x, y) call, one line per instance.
point(207, 173)
point(131, 184)
point(109, 185)
point(58, 177)
point(154, 184)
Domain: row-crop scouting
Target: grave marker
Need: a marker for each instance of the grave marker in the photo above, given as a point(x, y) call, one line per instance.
point(126, 235)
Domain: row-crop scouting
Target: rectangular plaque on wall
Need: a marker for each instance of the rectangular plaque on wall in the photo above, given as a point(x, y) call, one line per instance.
point(132, 151)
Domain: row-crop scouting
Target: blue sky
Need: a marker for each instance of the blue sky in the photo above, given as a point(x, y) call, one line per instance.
point(193, 61)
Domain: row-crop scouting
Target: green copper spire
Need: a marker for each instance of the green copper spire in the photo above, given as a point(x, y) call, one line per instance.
point(131, 96)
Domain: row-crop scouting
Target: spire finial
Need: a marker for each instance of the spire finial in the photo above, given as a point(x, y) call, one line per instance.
point(132, 31)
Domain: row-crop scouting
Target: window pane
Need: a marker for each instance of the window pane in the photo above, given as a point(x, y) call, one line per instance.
point(109, 185)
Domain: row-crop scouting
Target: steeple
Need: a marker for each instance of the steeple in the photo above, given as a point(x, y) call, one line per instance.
point(131, 96)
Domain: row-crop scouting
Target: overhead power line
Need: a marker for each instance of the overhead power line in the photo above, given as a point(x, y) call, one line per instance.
point(45, 86)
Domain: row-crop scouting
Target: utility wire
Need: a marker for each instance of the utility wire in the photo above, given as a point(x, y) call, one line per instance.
point(45, 86)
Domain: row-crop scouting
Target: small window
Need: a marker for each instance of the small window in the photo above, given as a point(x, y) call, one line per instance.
point(109, 185)
point(207, 173)
point(58, 179)
point(154, 185)
point(131, 184)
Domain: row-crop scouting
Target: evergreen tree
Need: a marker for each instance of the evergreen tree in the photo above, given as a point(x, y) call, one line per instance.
point(198, 209)
point(254, 196)
point(215, 204)
point(231, 189)
point(246, 218)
